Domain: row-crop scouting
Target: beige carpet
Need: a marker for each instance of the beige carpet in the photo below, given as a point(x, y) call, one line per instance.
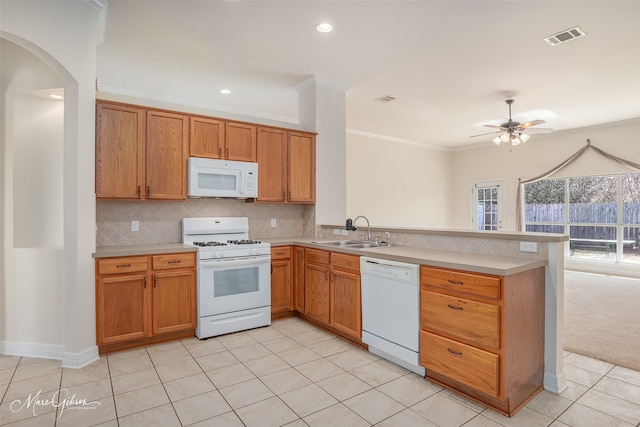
point(602, 317)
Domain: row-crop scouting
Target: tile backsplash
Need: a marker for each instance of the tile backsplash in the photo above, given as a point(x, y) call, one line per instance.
point(161, 221)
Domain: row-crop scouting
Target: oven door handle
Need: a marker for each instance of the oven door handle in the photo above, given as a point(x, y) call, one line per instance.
point(230, 262)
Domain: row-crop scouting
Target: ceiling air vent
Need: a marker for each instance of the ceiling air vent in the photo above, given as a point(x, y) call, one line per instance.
point(565, 36)
point(385, 98)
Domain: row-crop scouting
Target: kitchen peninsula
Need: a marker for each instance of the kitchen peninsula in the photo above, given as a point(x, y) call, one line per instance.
point(538, 263)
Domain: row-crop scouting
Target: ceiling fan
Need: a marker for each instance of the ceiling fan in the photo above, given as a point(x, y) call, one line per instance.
point(514, 131)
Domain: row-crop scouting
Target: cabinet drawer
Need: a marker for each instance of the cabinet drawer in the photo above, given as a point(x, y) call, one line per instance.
point(473, 367)
point(122, 265)
point(345, 261)
point(161, 262)
point(281, 252)
point(317, 256)
point(471, 321)
point(458, 282)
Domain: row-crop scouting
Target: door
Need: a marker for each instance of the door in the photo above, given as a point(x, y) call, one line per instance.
point(174, 301)
point(272, 161)
point(120, 155)
point(240, 142)
point(487, 205)
point(122, 308)
point(167, 154)
point(233, 284)
point(207, 138)
point(316, 302)
point(281, 288)
point(298, 281)
point(301, 168)
point(345, 303)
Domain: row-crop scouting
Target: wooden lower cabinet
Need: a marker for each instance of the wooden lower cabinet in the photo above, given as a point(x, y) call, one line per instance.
point(144, 299)
point(483, 335)
point(298, 280)
point(281, 280)
point(345, 299)
point(332, 291)
point(316, 285)
point(122, 306)
point(174, 301)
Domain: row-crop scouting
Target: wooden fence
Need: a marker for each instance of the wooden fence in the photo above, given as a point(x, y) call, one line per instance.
point(590, 213)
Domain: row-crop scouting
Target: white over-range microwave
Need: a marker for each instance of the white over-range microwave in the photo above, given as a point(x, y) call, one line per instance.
point(222, 178)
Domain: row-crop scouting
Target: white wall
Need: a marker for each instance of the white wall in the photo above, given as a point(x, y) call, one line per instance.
point(537, 156)
point(63, 36)
point(398, 184)
point(33, 171)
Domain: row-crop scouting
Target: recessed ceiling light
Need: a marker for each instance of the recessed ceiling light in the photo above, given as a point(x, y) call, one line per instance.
point(55, 96)
point(324, 27)
point(225, 91)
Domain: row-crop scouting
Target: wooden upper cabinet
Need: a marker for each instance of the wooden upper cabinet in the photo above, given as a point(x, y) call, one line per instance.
point(207, 138)
point(167, 153)
point(272, 164)
point(120, 142)
point(301, 170)
point(240, 142)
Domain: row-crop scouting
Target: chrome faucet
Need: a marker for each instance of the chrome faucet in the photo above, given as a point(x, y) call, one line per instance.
point(351, 226)
point(388, 238)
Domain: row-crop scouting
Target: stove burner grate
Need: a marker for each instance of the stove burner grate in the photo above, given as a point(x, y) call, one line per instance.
point(205, 244)
point(243, 242)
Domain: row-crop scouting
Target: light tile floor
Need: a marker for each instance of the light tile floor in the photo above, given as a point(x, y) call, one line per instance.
point(289, 373)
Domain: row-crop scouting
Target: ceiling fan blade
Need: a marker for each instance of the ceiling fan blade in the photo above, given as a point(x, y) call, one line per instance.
point(531, 123)
point(497, 127)
point(533, 131)
point(483, 134)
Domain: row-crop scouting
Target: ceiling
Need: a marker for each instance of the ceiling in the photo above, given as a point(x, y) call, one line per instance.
point(449, 64)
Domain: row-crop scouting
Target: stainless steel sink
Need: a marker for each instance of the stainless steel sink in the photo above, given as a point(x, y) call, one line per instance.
point(348, 243)
point(364, 245)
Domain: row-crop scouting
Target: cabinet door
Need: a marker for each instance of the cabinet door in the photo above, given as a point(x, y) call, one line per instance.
point(174, 301)
point(272, 164)
point(298, 292)
point(207, 138)
point(302, 168)
point(240, 142)
point(316, 292)
point(281, 288)
point(167, 153)
point(122, 308)
point(120, 132)
point(346, 313)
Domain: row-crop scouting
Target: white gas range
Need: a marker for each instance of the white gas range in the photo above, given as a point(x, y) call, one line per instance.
point(234, 275)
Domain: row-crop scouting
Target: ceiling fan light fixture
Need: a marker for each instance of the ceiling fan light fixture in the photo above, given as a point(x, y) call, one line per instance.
point(516, 141)
point(497, 140)
point(524, 137)
point(505, 137)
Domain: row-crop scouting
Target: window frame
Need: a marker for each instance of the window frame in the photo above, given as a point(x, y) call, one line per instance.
point(495, 183)
point(618, 225)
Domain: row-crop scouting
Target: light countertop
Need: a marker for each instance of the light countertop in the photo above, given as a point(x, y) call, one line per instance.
point(478, 263)
point(133, 250)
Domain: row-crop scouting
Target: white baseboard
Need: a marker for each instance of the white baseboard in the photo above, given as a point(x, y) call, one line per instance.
point(50, 351)
point(82, 359)
point(556, 384)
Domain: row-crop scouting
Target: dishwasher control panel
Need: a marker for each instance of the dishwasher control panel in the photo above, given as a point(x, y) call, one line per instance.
point(389, 269)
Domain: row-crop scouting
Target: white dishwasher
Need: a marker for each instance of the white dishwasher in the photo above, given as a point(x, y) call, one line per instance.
point(391, 311)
